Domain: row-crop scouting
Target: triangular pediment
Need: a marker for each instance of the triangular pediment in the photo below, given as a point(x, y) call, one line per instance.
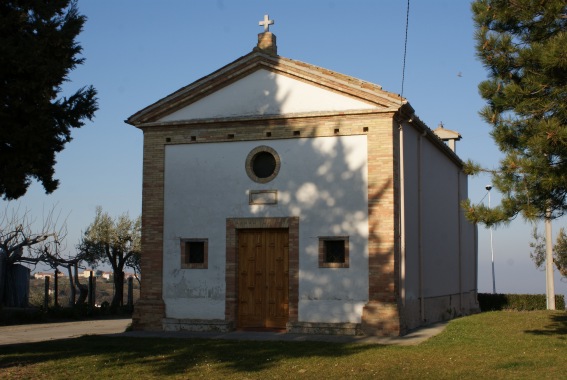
point(259, 85)
point(265, 92)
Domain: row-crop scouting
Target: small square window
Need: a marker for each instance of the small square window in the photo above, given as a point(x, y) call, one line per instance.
point(333, 252)
point(194, 253)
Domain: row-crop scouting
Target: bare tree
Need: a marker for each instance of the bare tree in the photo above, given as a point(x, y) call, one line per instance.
point(83, 289)
point(20, 244)
point(23, 241)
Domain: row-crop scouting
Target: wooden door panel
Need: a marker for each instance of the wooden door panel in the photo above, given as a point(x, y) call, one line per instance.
point(277, 289)
point(263, 285)
point(250, 307)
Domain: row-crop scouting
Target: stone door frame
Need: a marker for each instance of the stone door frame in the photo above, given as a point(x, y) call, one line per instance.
point(231, 272)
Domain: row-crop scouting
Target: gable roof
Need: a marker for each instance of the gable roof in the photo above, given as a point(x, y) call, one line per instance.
point(365, 95)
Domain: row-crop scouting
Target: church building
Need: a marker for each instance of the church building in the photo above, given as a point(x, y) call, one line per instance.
point(279, 195)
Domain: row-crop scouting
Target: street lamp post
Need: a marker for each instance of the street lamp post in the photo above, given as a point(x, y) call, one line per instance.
point(488, 188)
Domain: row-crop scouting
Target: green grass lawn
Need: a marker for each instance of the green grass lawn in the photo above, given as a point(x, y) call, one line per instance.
point(494, 345)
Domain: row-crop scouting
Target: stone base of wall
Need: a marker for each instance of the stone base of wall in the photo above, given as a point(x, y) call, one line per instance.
point(448, 307)
point(412, 314)
point(147, 315)
point(197, 325)
point(324, 328)
point(381, 319)
point(377, 319)
point(437, 309)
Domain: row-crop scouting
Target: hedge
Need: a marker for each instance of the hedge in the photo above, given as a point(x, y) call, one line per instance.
point(520, 302)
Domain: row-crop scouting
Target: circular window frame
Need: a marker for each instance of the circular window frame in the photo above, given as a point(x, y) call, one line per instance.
point(250, 161)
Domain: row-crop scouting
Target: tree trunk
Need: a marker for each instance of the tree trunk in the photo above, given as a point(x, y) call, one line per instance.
point(72, 293)
point(46, 293)
point(130, 293)
point(118, 298)
point(3, 270)
point(83, 289)
point(56, 289)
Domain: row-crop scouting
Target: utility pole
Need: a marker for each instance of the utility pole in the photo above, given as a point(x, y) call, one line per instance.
point(549, 284)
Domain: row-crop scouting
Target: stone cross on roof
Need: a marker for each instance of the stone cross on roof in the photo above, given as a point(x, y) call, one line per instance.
point(266, 23)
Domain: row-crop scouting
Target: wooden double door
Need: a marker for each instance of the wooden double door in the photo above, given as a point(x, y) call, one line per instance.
point(263, 278)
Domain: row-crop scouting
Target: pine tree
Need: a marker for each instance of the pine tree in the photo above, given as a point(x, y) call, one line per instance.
point(523, 44)
point(37, 52)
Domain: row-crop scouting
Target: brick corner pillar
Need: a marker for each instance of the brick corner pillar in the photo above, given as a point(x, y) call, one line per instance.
point(148, 315)
point(381, 315)
point(149, 311)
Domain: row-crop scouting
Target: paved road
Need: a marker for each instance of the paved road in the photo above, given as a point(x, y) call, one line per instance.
point(116, 327)
point(52, 331)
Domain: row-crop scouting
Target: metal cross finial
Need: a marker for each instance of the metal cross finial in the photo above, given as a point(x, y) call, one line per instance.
point(266, 23)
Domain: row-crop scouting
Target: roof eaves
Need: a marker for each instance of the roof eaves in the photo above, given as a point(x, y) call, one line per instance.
point(147, 112)
point(177, 123)
point(371, 89)
point(422, 127)
point(365, 91)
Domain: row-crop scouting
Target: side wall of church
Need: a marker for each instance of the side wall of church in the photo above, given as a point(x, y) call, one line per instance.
point(411, 220)
point(439, 280)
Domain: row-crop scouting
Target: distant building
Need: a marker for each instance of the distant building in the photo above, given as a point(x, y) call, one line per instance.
point(87, 273)
point(43, 275)
point(104, 275)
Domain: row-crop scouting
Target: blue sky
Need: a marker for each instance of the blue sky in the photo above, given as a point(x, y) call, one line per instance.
point(138, 51)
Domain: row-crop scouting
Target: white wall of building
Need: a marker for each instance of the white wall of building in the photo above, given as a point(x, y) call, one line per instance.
point(469, 246)
point(440, 226)
point(410, 245)
point(434, 186)
point(323, 181)
point(266, 93)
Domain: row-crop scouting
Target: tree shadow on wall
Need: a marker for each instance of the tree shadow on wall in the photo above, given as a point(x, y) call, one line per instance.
point(329, 191)
point(323, 179)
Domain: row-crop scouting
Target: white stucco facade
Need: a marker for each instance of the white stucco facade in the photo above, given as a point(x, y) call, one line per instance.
point(322, 181)
point(354, 164)
point(267, 93)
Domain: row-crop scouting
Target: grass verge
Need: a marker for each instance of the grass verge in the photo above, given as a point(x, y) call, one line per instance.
point(493, 345)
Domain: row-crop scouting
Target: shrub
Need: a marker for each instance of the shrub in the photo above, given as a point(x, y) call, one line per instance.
point(520, 302)
point(17, 316)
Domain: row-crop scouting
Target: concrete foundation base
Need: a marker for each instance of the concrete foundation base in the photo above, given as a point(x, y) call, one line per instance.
point(324, 328)
point(196, 325)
